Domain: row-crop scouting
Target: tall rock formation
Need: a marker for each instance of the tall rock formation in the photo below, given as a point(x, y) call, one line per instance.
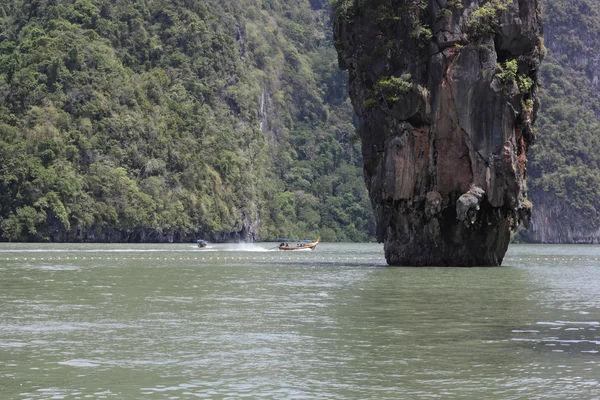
point(445, 92)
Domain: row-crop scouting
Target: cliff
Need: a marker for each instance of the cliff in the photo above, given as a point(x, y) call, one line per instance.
point(160, 121)
point(565, 161)
point(445, 93)
point(555, 220)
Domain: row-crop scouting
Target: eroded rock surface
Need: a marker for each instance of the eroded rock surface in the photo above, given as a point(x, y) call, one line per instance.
point(445, 92)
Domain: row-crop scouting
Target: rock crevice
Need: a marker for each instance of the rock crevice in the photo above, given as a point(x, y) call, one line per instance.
point(445, 96)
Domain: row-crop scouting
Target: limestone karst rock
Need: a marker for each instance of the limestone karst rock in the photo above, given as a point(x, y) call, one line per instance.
point(445, 92)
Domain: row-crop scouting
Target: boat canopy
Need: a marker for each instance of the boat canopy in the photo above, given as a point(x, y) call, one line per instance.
point(293, 240)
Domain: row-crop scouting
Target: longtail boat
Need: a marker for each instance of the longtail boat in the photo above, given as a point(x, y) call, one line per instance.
point(299, 245)
point(201, 243)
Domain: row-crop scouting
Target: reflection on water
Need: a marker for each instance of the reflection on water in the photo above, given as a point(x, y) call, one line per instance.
point(175, 321)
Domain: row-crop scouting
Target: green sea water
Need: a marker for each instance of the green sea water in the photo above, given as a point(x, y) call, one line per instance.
point(172, 321)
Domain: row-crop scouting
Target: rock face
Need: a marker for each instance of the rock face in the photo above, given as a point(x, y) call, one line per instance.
point(554, 220)
point(445, 92)
point(563, 174)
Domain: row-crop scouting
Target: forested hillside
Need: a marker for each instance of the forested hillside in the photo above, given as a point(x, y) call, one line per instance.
point(564, 165)
point(170, 120)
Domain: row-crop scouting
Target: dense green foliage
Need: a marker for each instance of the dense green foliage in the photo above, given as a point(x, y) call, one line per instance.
point(565, 161)
point(147, 120)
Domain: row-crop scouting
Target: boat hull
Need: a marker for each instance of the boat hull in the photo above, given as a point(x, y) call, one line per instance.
point(297, 248)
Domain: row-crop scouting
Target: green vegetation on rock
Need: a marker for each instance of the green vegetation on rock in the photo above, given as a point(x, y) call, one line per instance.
point(484, 20)
point(509, 75)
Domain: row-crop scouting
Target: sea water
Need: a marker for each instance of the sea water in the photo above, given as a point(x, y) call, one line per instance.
point(229, 321)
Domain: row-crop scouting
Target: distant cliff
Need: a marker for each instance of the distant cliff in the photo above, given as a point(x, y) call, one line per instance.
point(565, 161)
point(445, 92)
point(159, 121)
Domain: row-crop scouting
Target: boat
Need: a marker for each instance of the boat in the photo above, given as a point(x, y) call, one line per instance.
point(201, 243)
point(299, 245)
